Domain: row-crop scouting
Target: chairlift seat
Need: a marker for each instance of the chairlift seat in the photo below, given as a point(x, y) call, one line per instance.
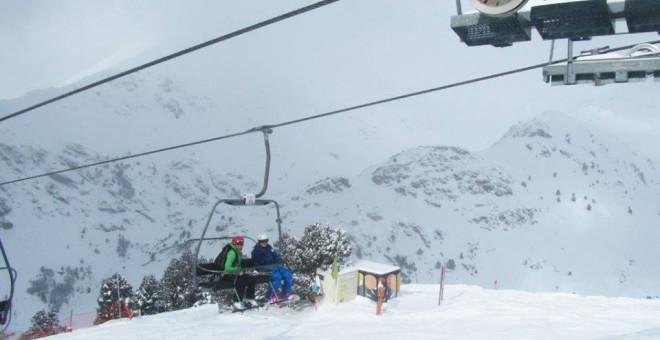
point(216, 283)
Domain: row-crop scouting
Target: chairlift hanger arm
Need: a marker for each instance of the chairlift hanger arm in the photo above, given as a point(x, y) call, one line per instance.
point(266, 130)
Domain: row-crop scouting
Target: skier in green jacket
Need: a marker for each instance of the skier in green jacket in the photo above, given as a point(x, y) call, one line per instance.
point(244, 284)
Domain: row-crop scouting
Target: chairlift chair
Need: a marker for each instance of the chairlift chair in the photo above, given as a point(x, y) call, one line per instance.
point(210, 269)
point(6, 305)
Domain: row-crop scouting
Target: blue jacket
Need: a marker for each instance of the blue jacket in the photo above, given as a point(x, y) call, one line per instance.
point(264, 255)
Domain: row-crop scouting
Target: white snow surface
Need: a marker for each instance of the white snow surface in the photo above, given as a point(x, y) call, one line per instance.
point(375, 268)
point(467, 312)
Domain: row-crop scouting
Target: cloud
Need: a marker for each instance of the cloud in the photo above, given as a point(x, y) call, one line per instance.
point(111, 61)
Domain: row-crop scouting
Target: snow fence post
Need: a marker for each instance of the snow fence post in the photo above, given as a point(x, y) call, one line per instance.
point(442, 284)
point(118, 299)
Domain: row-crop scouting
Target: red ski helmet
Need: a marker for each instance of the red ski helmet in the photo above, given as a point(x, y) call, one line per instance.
point(237, 240)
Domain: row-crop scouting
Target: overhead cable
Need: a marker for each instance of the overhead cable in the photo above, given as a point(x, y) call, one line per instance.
point(174, 55)
point(322, 115)
point(444, 87)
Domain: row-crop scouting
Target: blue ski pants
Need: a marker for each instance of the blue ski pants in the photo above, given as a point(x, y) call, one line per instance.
point(280, 275)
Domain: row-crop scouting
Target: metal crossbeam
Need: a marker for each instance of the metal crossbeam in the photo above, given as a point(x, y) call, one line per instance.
point(603, 71)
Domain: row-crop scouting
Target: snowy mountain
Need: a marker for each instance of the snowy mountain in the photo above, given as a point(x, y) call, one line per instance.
point(557, 204)
point(551, 206)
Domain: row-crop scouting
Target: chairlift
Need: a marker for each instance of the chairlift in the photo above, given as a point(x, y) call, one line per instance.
point(504, 22)
point(6, 305)
point(210, 270)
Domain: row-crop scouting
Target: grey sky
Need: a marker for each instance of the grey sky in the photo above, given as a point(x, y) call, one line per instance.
point(344, 54)
point(49, 43)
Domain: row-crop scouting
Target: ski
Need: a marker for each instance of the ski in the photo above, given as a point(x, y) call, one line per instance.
point(293, 302)
point(293, 298)
point(230, 308)
point(246, 308)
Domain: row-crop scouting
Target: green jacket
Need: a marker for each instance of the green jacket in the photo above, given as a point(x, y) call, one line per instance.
point(234, 259)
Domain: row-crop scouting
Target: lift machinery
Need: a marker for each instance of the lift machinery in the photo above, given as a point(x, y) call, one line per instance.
point(502, 23)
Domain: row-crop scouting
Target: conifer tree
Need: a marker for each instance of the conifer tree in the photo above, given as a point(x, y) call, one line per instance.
point(320, 244)
point(43, 324)
point(177, 289)
point(317, 248)
point(114, 296)
point(287, 246)
point(147, 297)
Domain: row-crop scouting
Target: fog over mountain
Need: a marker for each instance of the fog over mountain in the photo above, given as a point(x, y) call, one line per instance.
point(561, 202)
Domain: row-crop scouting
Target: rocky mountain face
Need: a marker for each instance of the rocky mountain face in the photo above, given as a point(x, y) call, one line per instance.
point(554, 205)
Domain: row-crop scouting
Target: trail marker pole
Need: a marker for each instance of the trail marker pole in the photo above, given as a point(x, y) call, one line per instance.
point(442, 284)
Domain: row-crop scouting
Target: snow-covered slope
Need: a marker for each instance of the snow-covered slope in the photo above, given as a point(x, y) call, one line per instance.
point(467, 312)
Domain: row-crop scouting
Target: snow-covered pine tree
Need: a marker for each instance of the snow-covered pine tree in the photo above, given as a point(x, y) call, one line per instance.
point(320, 244)
point(287, 246)
point(147, 297)
point(43, 324)
point(114, 295)
point(317, 248)
point(177, 289)
point(43, 320)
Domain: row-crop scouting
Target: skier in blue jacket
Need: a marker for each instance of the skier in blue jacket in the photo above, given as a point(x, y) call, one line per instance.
point(264, 255)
